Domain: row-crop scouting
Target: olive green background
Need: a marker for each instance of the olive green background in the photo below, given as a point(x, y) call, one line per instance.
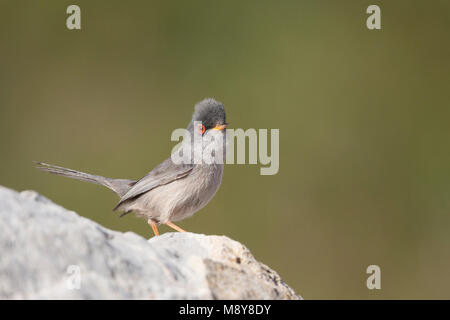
point(363, 116)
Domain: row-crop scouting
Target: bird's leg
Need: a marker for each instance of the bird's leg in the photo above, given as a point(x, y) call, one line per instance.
point(173, 226)
point(154, 227)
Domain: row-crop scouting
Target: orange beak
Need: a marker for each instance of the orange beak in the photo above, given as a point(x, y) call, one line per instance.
point(220, 127)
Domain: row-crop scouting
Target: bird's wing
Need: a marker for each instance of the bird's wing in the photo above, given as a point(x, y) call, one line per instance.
point(164, 173)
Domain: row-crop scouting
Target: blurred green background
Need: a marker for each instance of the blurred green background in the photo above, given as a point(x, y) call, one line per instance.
point(363, 116)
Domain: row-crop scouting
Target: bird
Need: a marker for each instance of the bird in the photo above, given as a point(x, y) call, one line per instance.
point(172, 191)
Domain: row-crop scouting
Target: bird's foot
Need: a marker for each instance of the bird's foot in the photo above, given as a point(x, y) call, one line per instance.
point(154, 227)
point(174, 226)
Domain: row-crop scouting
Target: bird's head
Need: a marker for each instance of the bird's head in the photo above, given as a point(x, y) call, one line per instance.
point(209, 114)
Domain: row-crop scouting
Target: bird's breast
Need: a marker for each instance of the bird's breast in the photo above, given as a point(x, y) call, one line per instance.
point(195, 191)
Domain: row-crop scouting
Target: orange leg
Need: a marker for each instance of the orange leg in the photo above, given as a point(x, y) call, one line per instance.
point(154, 227)
point(173, 226)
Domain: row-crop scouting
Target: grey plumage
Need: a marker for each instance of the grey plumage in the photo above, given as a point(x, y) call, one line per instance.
point(119, 186)
point(164, 173)
point(170, 192)
point(209, 112)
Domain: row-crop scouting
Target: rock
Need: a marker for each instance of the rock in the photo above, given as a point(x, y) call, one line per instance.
point(48, 252)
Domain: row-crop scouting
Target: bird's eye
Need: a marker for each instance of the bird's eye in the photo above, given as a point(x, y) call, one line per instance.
point(201, 128)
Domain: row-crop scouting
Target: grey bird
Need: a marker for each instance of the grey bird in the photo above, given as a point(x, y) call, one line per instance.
point(172, 191)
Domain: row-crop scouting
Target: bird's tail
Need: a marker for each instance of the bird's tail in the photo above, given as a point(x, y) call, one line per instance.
point(119, 186)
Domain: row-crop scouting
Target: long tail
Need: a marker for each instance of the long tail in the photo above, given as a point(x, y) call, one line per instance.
point(119, 186)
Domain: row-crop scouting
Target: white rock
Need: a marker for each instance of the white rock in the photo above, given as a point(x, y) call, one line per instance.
point(48, 252)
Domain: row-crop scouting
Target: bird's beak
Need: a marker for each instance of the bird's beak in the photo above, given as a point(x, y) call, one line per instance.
point(220, 127)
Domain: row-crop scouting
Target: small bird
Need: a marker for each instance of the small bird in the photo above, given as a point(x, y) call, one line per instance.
point(171, 191)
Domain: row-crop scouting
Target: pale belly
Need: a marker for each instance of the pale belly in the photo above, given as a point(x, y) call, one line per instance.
point(182, 198)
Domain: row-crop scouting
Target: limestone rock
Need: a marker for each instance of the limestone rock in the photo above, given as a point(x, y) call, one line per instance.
point(48, 252)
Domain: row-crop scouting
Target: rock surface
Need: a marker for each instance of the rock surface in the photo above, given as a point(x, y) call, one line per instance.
point(48, 252)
